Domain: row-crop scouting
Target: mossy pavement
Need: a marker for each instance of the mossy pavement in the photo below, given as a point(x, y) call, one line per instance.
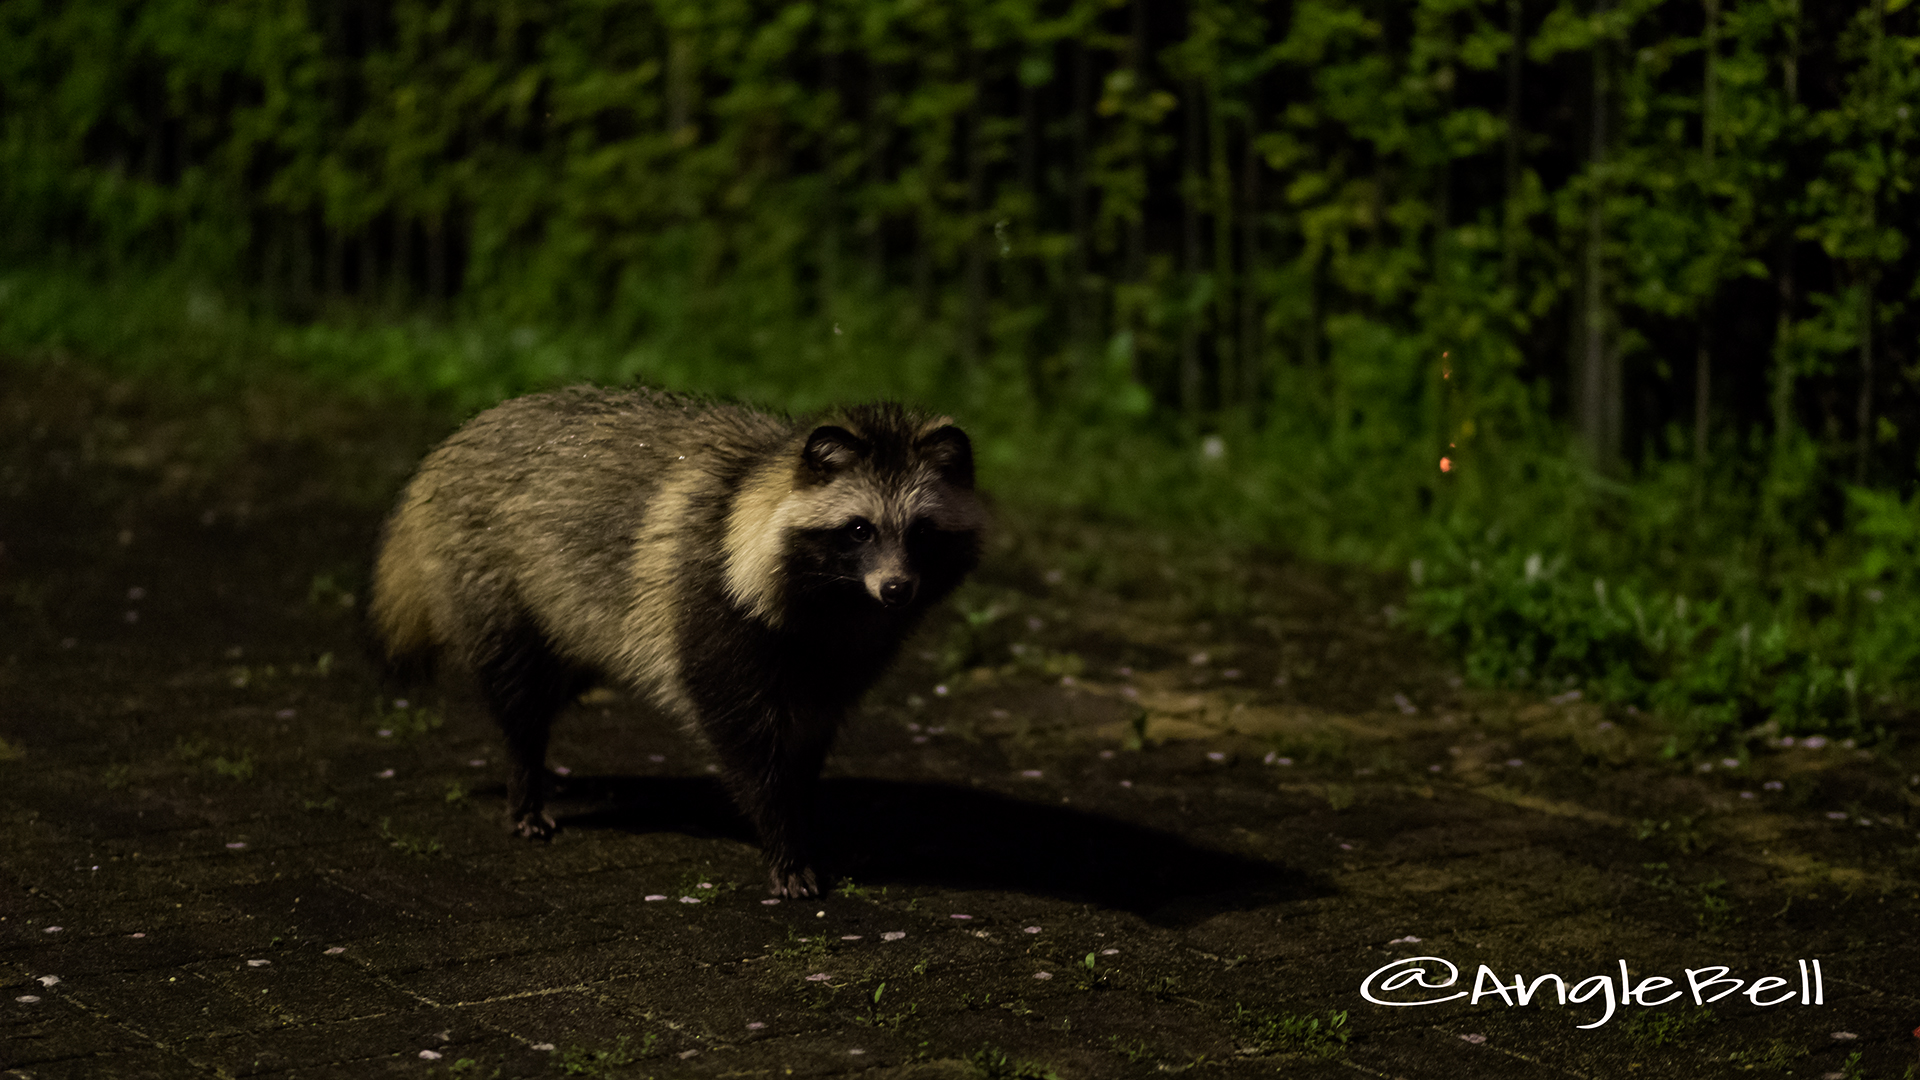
point(1130, 808)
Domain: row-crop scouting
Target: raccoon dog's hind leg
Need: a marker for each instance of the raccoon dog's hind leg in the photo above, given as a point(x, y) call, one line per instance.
point(525, 685)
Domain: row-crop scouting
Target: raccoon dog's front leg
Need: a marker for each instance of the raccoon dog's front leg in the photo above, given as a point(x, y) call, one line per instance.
point(773, 768)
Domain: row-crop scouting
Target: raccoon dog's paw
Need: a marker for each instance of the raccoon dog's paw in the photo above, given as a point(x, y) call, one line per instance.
point(534, 825)
point(794, 882)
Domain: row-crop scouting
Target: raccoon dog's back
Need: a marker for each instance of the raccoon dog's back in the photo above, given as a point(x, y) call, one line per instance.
point(751, 574)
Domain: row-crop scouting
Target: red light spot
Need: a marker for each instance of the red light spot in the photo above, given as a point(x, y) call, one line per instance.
point(1446, 464)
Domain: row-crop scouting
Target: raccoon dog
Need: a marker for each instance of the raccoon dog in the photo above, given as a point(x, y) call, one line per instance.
point(750, 575)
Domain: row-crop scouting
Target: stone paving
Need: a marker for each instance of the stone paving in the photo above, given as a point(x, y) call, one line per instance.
point(1125, 834)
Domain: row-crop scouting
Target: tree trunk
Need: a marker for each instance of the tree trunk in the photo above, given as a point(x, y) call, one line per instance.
point(829, 284)
point(1079, 315)
point(876, 171)
point(1597, 374)
point(1251, 356)
point(1703, 356)
point(1190, 373)
point(1226, 362)
point(1784, 426)
point(973, 334)
point(1510, 254)
point(1863, 408)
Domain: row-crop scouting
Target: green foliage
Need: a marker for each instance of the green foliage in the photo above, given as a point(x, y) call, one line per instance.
point(404, 720)
point(420, 847)
point(991, 1063)
point(1253, 275)
point(1778, 1055)
point(603, 1061)
point(1651, 1029)
point(1294, 1033)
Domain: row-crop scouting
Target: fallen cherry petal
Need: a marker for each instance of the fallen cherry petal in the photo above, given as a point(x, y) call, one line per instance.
point(771, 902)
point(893, 935)
point(48, 980)
point(755, 1025)
point(28, 999)
point(1408, 940)
point(1043, 974)
point(1032, 930)
point(1475, 1039)
point(336, 950)
point(53, 929)
point(1109, 952)
point(656, 896)
point(429, 1055)
point(237, 845)
point(258, 963)
point(541, 1046)
point(818, 976)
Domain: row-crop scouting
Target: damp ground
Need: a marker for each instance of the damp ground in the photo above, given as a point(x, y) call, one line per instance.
point(1130, 807)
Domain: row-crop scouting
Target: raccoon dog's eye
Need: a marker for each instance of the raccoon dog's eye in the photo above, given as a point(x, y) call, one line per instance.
point(861, 530)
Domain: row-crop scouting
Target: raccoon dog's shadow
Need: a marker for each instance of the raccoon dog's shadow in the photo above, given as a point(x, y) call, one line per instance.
point(887, 832)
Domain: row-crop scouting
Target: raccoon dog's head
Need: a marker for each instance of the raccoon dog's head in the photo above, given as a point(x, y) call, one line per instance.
point(879, 505)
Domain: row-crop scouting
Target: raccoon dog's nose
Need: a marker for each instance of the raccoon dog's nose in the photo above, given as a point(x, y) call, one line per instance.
point(897, 591)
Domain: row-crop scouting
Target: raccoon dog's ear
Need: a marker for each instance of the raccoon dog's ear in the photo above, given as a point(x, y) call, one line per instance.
point(951, 452)
point(831, 449)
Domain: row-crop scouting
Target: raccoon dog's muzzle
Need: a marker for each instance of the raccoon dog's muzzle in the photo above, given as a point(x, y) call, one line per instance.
point(892, 584)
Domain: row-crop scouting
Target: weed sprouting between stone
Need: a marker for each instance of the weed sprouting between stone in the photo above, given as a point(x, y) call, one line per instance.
point(404, 720)
point(1666, 1028)
point(589, 1061)
point(1294, 1033)
point(419, 846)
point(991, 1063)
